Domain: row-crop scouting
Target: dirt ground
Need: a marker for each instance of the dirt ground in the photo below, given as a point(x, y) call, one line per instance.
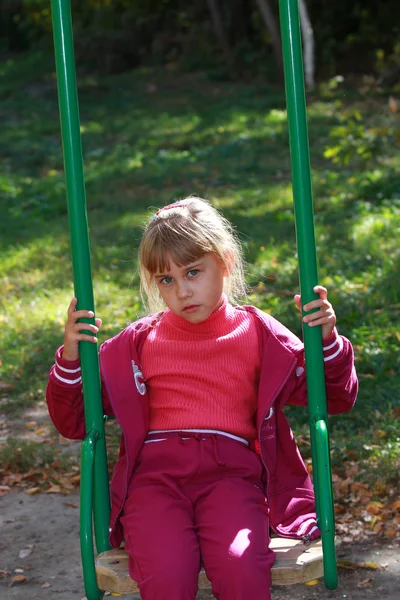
point(44, 530)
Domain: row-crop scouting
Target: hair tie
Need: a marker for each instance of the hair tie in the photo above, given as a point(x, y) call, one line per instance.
point(173, 205)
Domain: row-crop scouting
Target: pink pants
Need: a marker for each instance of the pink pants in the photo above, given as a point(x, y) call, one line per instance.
point(197, 498)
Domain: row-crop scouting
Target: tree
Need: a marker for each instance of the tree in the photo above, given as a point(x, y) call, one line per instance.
point(218, 24)
point(273, 29)
point(308, 45)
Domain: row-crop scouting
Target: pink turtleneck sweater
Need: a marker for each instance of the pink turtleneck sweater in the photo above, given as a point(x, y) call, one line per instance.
point(203, 376)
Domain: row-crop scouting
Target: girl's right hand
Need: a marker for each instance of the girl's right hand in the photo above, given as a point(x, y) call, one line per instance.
point(72, 335)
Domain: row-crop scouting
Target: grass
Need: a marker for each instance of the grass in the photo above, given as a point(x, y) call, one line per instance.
point(152, 136)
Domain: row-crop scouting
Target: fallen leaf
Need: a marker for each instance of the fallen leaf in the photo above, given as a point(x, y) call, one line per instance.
point(71, 505)
point(378, 528)
point(32, 491)
point(359, 487)
point(371, 565)
point(312, 582)
point(396, 412)
point(348, 564)
point(374, 508)
point(392, 103)
point(45, 585)
point(5, 386)
point(379, 434)
point(4, 574)
point(26, 551)
point(54, 489)
point(17, 579)
point(66, 483)
point(365, 583)
point(4, 489)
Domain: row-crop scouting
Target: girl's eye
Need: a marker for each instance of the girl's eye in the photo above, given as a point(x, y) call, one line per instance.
point(166, 280)
point(192, 272)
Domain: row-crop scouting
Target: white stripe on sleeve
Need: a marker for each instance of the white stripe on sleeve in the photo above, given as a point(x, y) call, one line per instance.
point(335, 354)
point(68, 370)
point(325, 348)
point(70, 381)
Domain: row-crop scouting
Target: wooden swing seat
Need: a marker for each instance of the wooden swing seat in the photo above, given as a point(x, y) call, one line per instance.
point(295, 562)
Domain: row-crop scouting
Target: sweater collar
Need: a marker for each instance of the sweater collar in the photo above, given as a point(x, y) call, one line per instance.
point(218, 323)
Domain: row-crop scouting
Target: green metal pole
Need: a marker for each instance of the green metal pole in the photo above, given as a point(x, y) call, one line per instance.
point(303, 205)
point(86, 512)
point(76, 198)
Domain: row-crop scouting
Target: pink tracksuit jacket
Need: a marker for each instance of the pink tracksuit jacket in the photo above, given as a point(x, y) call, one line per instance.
point(288, 488)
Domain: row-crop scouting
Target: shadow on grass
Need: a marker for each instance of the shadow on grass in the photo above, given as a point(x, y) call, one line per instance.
point(26, 353)
point(149, 138)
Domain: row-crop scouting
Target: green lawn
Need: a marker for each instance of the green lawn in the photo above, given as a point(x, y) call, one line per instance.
point(153, 136)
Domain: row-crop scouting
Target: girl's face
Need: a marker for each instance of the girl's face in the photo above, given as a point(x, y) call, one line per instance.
point(195, 290)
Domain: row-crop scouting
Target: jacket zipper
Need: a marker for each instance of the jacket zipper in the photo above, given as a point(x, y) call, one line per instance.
point(127, 464)
point(261, 424)
point(126, 481)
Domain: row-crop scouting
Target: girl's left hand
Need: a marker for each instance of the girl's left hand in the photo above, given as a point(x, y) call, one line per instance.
point(325, 316)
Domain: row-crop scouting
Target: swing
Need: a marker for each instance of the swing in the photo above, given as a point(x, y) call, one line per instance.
point(296, 562)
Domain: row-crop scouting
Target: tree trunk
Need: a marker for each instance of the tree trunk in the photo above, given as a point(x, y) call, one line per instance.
point(218, 24)
point(272, 26)
point(308, 45)
point(238, 20)
point(9, 29)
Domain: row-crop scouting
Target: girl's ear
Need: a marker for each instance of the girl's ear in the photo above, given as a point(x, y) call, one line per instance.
point(229, 263)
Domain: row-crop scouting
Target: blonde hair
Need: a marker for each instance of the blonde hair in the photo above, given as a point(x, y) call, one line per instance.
point(185, 231)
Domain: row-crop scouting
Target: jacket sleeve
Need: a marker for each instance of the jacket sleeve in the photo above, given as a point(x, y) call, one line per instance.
point(340, 375)
point(64, 398)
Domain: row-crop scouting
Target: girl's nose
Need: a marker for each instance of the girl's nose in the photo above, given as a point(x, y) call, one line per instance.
point(183, 290)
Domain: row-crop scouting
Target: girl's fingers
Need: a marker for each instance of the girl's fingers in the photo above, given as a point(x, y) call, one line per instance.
point(72, 306)
point(323, 298)
point(74, 316)
point(323, 314)
point(86, 338)
point(319, 302)
point(322, 304)
point(312, 304)
point(77, 327)
point(80, 314)
point(320, 314)
point(321, 291)
point(321, 321)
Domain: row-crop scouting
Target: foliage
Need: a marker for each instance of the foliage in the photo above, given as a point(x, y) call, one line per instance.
point(117, 35)
point(22, 456)
point(354, 143)
point(150, 136)
point(357, 144)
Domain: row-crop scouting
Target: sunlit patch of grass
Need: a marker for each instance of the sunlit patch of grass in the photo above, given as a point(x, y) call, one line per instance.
point(133, 219)
point(227, 142)
point(377, 233)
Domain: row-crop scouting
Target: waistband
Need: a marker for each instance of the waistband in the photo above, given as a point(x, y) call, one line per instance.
point(161, 435)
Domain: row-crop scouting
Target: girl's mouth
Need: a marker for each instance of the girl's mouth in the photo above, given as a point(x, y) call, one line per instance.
point(191, 308)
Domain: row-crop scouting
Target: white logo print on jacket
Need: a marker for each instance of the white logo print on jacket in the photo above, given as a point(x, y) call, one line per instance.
point(137, 373)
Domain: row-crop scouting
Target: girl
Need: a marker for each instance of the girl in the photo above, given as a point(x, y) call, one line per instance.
point(208, 463)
